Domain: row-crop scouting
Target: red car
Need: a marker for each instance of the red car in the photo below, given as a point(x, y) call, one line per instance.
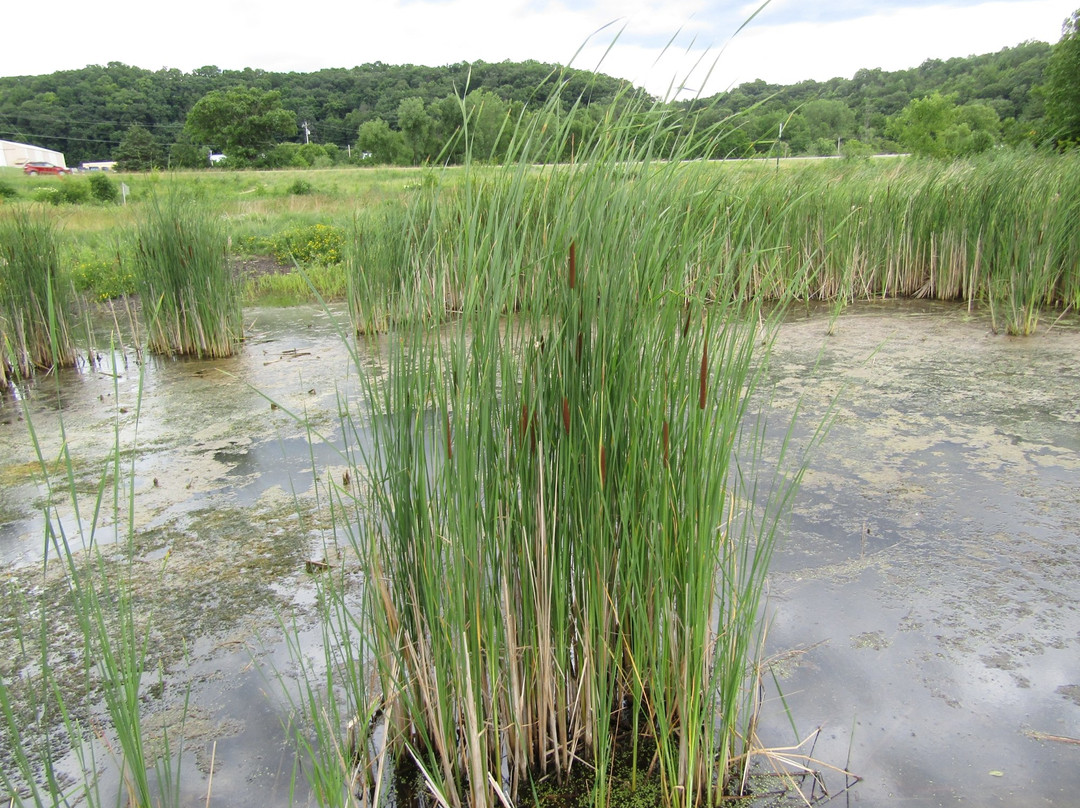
point(33, 169)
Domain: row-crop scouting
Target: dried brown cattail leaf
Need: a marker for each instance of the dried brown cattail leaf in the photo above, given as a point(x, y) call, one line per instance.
point(703, 378)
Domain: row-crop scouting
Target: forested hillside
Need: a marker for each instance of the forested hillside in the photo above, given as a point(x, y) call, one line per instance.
point(862, 107)
point(405, 113)
point(86, 113)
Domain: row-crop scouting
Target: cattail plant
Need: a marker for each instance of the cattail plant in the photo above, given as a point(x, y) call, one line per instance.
point(571, 582)
point(190, 298)
point(35, 303)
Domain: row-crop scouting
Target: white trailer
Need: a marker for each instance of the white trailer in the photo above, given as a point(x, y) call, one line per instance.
point(18, 154)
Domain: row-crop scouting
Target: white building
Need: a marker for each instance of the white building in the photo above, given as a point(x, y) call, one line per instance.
point(17, 154)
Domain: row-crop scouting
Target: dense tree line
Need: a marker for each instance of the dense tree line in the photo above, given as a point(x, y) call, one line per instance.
point(86, 113)
point(865, 108)
point(407, 114)
point(1063, 85)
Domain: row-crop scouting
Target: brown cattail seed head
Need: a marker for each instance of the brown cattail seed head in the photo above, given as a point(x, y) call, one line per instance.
point(566, 415)
point(704, 376)
point(603, 466)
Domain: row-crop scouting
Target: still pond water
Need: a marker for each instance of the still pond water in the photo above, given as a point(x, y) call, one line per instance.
point(924, 599)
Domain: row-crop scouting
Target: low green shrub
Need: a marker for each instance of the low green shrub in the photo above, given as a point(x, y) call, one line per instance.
point(314, 244)
point(253, 245)
point(7, 190)
point(73, 192)
point(103, 189)
point(856, 150)
point(300, 187)
point(101, 278)
point(66, 192)
point(46, 194)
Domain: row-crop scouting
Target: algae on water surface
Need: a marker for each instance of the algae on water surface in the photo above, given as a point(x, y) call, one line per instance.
point(928, 572)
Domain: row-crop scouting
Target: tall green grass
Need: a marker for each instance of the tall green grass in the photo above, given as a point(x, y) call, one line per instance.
point(996, 231)
point(993, 231)
point(288, 288)
point(190, 297)
point(35, 302)
point(567, 543)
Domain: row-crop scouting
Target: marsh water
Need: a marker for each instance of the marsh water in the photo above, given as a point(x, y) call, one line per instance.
point(923, 601)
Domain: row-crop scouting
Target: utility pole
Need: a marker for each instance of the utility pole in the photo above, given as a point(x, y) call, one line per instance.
point(307, 132)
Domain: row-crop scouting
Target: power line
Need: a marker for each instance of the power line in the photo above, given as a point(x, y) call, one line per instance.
point(58, 119)
point(23, 134)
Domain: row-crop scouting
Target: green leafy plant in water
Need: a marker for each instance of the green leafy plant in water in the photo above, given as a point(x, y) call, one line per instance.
point(567, 542)
point(287, 288)
point(189, 294)
point(34, 300)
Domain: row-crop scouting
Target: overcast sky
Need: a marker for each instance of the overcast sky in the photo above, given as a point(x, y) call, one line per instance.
point(657, 43)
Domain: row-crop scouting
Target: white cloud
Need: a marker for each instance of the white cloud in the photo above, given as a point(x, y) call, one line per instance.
point(277, 35)
point(893, 40)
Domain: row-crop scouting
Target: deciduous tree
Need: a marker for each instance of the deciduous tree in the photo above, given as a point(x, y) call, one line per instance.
point(829, 120)
point(920, 127)
point(384, 145)
point(416, 125)
point(185, 154)
point(243, 122)
point(138, 151)
point(936, 127)
point(1062, 88)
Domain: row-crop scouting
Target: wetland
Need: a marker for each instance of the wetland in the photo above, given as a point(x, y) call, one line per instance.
point(921, 601)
